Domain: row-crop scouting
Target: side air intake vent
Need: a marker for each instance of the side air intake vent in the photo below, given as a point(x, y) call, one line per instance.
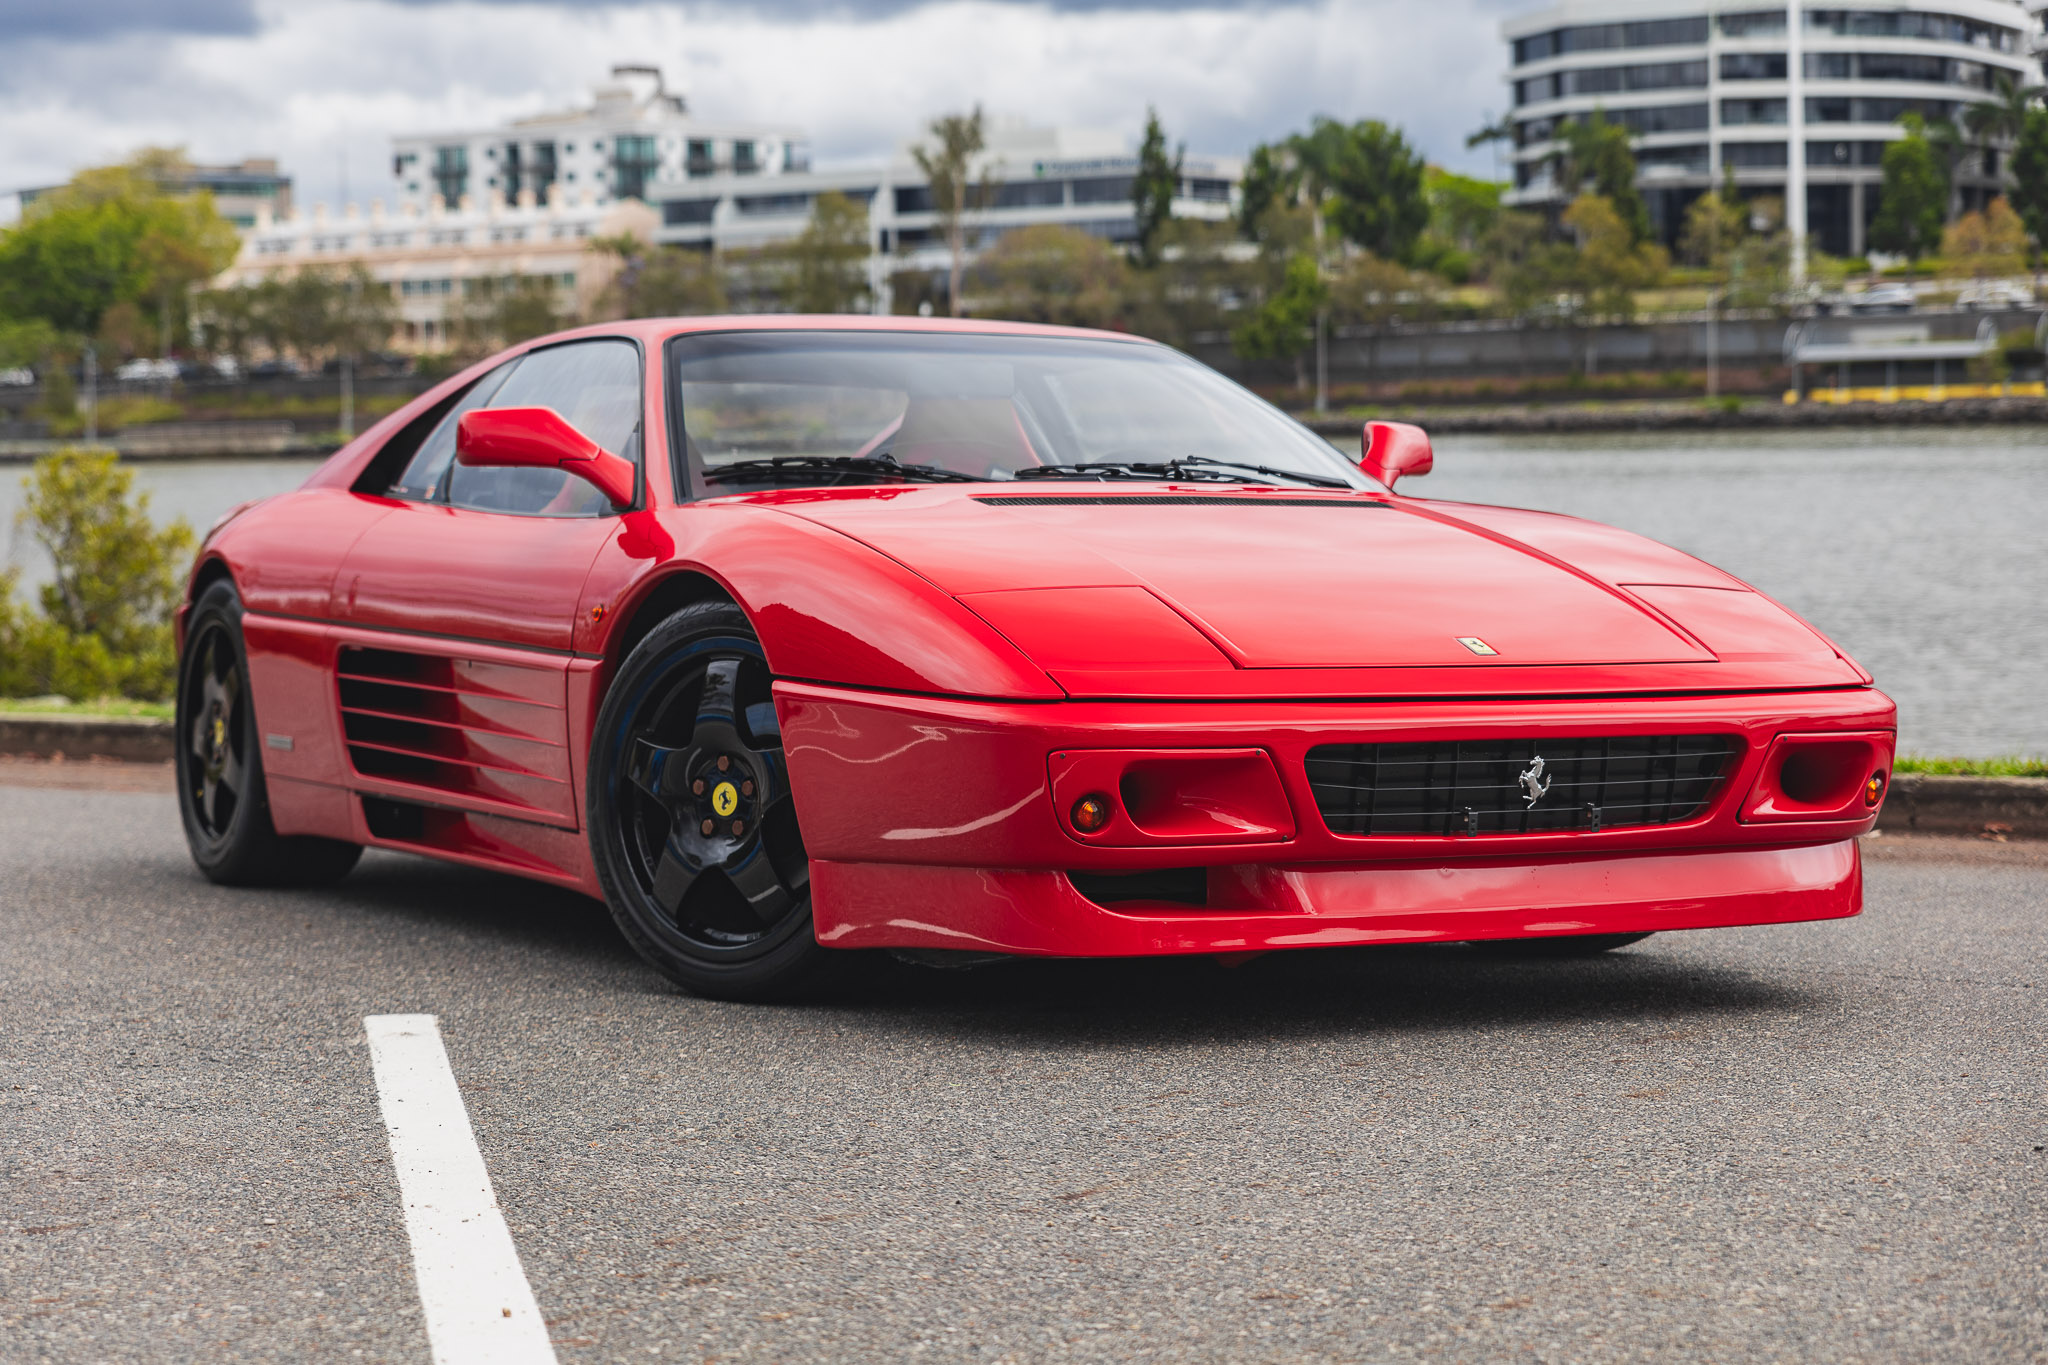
point(488, 731)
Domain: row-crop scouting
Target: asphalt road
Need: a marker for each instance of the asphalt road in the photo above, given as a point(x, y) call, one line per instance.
point(1811, 1143)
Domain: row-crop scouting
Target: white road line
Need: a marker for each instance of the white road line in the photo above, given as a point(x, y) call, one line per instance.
point(479, 1307)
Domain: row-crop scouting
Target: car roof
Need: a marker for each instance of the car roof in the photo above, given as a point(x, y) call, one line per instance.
point(660, 329)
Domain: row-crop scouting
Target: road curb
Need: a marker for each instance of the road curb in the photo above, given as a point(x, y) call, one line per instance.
point(124, 739)
point(1918, 803)
point(1924, 804)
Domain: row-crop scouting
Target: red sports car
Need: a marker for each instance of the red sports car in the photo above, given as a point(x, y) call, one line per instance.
point(788, 636)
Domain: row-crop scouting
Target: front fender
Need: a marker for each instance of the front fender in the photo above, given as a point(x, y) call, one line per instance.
point(827, 608)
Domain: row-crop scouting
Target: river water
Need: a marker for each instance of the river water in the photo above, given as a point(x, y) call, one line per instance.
point(1920, 551)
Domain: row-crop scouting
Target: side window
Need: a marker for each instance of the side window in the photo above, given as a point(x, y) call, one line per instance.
point(421, 480)
point(595, 387)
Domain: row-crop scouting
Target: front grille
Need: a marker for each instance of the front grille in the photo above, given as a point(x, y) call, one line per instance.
point(1477, 786)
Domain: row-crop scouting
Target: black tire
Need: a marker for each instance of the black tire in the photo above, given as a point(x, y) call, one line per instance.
point(1566, 945)
point(692, 823)
point(222, 797)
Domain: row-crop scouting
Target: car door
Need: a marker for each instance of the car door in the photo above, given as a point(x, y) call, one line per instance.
point(455, 613)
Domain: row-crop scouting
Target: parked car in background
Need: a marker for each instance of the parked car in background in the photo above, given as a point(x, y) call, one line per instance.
point(1994, 296)
point(1882, 298)
point(276, 368)
point(19, 377)
point(146, 371)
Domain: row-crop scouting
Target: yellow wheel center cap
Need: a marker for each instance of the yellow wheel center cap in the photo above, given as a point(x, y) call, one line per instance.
point(725, 799)
point(220, 732)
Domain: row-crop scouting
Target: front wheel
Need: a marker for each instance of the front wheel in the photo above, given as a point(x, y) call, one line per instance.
point(692, 822)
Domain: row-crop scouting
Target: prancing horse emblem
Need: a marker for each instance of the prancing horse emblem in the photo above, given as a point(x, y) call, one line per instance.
point(1534, 783)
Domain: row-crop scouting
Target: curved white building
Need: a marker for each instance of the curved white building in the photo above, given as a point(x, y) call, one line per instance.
point(1800, 110)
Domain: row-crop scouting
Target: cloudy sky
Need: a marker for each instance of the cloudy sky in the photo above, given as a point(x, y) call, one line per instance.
point(323, 84)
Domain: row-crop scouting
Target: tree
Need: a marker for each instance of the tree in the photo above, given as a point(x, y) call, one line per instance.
point(956, 140)
point(2003, 117)
point(1462, 211)
point(1597, 156)
point(1154, 187)
point(826, 264)
point(2030, 174)
point(112, 236)
point(657, 281)
point(1914, 197)
point(1950, 144)
point(1598, 274)
point(1375, 183)
point(116, 578)
point(1986, 244)
point(1282, 326)
point(1613, 262)
point(1049, 273)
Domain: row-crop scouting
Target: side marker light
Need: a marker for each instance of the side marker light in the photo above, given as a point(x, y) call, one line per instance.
point(1873, 789)
point(1090, 813)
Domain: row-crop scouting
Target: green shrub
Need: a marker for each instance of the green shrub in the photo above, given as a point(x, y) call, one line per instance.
point(105, 624)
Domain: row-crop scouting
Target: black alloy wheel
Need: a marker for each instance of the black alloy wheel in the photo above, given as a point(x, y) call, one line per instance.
point(222, 797)
point(692, 822)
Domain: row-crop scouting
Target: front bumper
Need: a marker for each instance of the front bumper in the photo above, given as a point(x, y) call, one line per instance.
point(930, 824)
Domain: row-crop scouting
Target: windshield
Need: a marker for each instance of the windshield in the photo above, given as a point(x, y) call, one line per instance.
point(775, 409)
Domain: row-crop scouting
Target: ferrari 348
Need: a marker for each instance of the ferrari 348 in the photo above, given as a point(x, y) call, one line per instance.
point(789, 636)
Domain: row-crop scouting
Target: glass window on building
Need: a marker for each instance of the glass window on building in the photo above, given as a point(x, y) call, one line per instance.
point(745, 158)
point(1024, 194)
point(698, 161)
point(1107, 189)
point(1754, 23)
point(451, 173)
point(1745, 156)
point(687, 212)
point(542, 172)
point(635, 160)
point(1756, 66)
point(1735, 113)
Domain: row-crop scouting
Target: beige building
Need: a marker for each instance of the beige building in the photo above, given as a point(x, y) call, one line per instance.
point(436, 259)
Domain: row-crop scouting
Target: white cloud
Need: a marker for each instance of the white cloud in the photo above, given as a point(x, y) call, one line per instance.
point(325, 83)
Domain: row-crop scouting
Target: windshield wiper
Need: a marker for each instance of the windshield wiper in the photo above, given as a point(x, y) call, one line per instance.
point(1120, 469)
point(883, 464)
point(1194, 468)
point(1314, 480)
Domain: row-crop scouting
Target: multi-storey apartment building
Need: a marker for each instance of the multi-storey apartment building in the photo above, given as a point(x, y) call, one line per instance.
point(634, 132)
point(1792, 100)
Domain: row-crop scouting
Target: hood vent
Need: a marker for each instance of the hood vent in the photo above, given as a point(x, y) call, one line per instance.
point(1170, 500)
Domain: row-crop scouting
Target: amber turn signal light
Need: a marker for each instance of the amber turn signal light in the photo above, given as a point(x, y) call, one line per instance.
point(1873, 789)
point(1090, 813)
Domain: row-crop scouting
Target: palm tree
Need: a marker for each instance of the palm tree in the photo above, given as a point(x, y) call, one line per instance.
point(2000, 120)
point(956, 140)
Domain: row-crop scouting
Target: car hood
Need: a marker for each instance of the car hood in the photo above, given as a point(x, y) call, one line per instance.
point(1282, 580)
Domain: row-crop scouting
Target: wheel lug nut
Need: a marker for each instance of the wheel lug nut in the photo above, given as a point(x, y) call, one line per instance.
point(708, 827)
point(746, 789)
point(724, 762)
point(739, 827)
point(697, 787)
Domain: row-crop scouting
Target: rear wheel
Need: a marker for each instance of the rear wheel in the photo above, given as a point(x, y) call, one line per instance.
point(221, 793)
point(692, 824)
